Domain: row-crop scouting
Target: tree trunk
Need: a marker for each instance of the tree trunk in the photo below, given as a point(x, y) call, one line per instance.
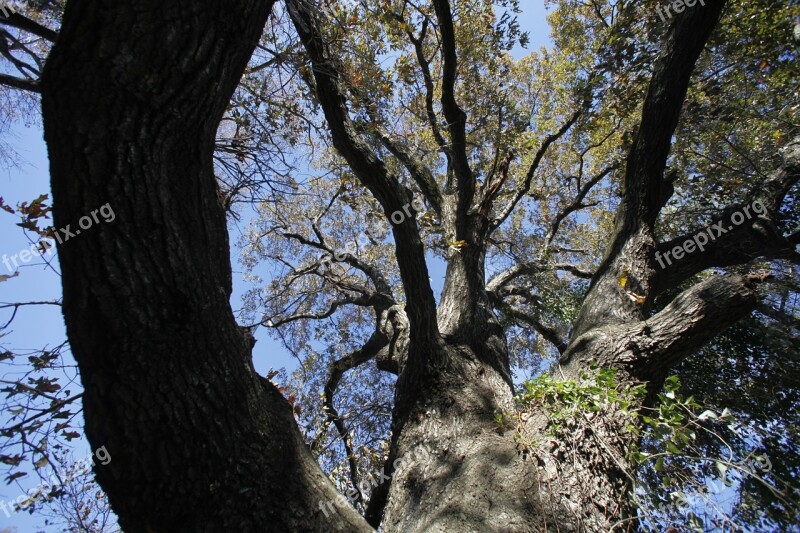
point(459, 470)
point(132, 95)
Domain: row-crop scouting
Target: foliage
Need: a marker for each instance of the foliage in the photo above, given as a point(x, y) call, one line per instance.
point(274, 160)
point(563, 399)
point(692, 459)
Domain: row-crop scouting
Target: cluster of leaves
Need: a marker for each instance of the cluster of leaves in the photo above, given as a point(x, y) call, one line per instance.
point(686, 458)
point(563, 399)
point(567, 403)
point(692, 460)
point(756, 395)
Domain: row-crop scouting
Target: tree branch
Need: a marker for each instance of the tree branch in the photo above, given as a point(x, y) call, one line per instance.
point(317, 316)
point(631, 254)
point(649, 349)
point(15, 20)
point(577, 204)
point(550, 334)
point(455, 116)
point(537, 159)
point(371, 171)
point(20, 83)
point(778, 316)
point(758, 237)
point(58, 404)
point(686, 39)
point(430, 89)
point(420, 173)
point(522, 269)
point(376, 342)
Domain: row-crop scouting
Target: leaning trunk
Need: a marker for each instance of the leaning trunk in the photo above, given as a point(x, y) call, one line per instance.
point(132, 96)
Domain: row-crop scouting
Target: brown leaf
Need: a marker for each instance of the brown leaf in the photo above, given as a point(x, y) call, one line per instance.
point(15, 475)
point(4, 207)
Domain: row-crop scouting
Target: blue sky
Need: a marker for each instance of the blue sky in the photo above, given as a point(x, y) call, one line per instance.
point(41, 326)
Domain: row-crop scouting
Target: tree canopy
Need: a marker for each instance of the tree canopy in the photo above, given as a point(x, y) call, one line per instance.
point(459, 239)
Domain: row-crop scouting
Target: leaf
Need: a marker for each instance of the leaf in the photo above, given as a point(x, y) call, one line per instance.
point(4, 207)
point(672, 448)
point(5, 277)
point(635, 297)
point(15, 475)
point(12, 461)
point(705, 415)
point(722, 469)
point(29, 225)
point(46, 385)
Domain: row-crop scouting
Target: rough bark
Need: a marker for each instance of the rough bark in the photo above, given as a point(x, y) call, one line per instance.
point(633, 245)
point(647, 350)
point(132, 96)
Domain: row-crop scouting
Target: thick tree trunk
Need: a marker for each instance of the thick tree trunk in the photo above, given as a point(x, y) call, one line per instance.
point(132, 96)
point(459, 470)
point(198, 441)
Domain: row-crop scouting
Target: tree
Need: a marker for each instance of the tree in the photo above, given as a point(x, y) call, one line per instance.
point(200, 442)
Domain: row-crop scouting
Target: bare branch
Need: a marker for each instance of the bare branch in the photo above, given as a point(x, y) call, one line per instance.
point(549, 333)
point(537, 159)
point(15, 20)
point(20, 83)
point(316, 316)
point(337, 370)
point(522, 269)
point(373, 273)
point(16, 307)
point(577, 204)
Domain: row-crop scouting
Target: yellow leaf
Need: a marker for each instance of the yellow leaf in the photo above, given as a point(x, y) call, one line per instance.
point(635, 297)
